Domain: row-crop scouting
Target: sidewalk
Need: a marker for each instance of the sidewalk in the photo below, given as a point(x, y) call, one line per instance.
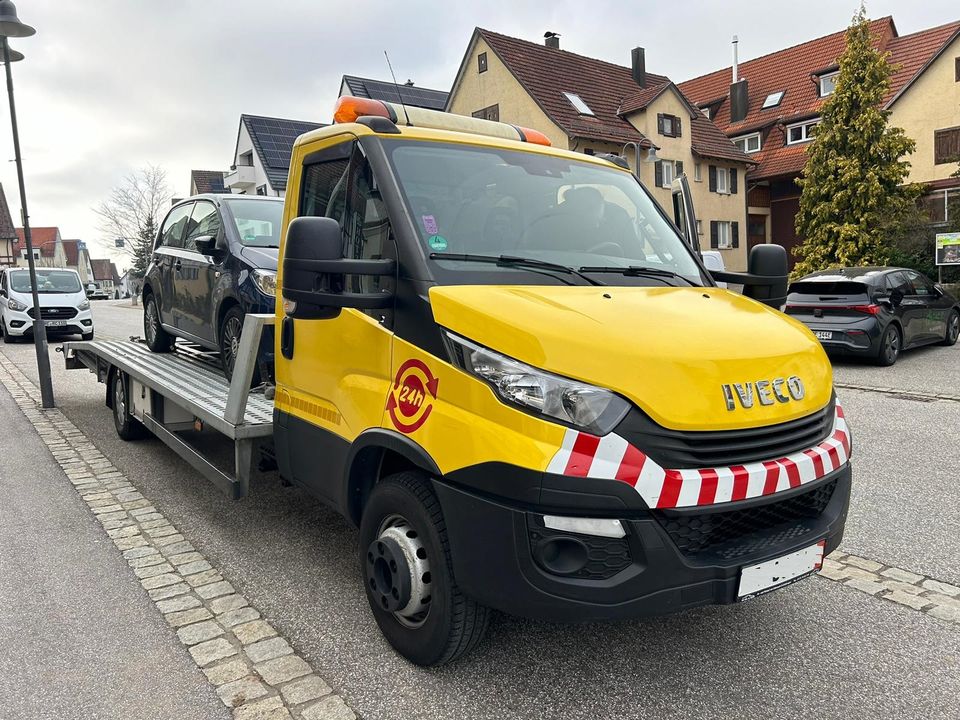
point(78, 639)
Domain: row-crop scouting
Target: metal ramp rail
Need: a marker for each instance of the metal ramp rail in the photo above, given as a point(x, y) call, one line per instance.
point(200, 396)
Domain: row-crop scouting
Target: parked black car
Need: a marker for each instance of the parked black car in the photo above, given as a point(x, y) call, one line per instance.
point(874, 311)
point(215, 259)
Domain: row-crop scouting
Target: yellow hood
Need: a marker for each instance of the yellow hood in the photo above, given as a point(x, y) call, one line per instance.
point(669, 350)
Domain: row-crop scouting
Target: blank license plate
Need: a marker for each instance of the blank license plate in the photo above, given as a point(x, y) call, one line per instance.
point(823, 334)
point(55, 323)
point(772, 574)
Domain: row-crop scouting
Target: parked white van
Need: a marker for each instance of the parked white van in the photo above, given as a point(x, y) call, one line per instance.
point(64, 306)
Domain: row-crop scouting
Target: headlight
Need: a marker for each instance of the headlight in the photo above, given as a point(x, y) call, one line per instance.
point(16, 305)
point(588, 408)
point(84, 304)
point(266, 280)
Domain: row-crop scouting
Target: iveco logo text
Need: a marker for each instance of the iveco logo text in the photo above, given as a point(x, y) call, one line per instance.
point(767, 392)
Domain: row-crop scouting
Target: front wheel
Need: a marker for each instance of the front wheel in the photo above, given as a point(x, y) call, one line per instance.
point(230, 330)
point(953, 329)
point(158, 339)
point(406, 569)
point(890, 345)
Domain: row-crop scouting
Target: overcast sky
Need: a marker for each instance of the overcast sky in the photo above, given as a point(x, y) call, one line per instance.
point(111, 85)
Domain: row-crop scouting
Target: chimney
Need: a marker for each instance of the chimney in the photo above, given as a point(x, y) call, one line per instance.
point(739, 98)
point(551, 40)
point(638, 65)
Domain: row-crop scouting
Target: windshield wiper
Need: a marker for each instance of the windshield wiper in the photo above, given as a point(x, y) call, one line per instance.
point(512, 261)
point(635, 270)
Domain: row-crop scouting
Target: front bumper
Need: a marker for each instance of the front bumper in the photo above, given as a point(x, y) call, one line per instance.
point(19, 324)
point(659, 567)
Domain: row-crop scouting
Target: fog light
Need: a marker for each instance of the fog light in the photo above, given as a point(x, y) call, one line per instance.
point(562, 555)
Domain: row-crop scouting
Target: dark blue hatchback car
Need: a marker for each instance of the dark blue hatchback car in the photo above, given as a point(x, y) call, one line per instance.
point(215, 259)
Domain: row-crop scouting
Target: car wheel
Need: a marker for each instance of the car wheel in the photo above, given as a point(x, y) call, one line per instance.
point(3, 331)
point(158, 339)
point(953, 329)
point(128, 427)
point(890, 345)
point(406, 569)
point(230, 331)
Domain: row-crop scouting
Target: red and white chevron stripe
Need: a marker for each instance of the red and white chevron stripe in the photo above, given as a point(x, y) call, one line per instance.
point(613, 458)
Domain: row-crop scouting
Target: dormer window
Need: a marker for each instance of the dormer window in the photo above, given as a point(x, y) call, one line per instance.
point(578, 104)
point(706, 112)
point(801, 132)
point(748, 143)
point(828, 83)
point(773, 99)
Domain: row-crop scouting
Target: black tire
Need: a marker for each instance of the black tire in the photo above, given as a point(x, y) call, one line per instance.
point(231, 327)
point(7, 338)
point(158, 339)
point(890, 345)
point(953, 329)
point(452, 624)
point(87, 336)
point(127, 426)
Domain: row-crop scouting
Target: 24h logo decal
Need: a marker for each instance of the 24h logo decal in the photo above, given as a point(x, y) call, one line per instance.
point(411, 398)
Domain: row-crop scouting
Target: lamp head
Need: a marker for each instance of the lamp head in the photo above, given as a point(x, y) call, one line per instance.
point(10, 25)
point(14, 55)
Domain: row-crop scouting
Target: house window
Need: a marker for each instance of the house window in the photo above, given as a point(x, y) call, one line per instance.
point(246, 160)
point(723, 180)
point(748, 143)
point(706, 112)
point(773, 99)
point(801, 132)
point(946, 146)
point(489, 113)
point(697, 173)
point(668, 125)
point(828, 83)
point(664, 172)
point(724, 235)
point(261, 189)
point(578, 104)
point(482, 62)
point(699, 227)
point(723, 185)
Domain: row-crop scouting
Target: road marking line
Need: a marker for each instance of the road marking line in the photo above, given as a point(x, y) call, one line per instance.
point(252, 668)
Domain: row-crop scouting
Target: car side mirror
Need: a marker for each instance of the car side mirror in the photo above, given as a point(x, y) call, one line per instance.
point(766, 277)
point(313, 283)
point(938, 289)
point(206, 244)
point(896, 297)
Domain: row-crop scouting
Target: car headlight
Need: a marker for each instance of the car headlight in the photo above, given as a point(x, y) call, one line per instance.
point(84, 304)
point(266, 280)
point(586, 407)
point(16, 305)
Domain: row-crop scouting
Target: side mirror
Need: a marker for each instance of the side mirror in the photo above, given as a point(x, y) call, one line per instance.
point(314, 270)
point(206, 244)
point(938, 289)
point(896, 297)
point(766, 277)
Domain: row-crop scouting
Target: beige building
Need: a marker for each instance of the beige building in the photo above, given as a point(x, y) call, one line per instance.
point(774, 105)
point(591, 106)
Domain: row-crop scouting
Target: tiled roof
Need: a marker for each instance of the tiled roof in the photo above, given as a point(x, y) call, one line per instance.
point(71, 248)
point(546, 73)
point(6, 219)
point(408, 95)
point(43, 239)
point(791, 70)
point(273, 140)
point(103, 270)
point(708, 141)
point(207, 181)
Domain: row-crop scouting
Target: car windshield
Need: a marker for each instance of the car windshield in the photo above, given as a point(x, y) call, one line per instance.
point(48, 281)
point(471, 201)
point(257, 222)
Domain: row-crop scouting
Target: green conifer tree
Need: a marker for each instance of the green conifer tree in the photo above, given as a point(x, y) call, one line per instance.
point(853, 196)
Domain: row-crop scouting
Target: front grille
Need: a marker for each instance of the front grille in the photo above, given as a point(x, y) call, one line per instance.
point(605, 556)
point(735, 533)
point(681, 449)
point(54, 313)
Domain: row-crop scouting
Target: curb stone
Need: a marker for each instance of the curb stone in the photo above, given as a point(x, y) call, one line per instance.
point(199, 605)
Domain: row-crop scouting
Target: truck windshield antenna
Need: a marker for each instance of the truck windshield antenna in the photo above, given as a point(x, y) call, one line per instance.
point(399, 96)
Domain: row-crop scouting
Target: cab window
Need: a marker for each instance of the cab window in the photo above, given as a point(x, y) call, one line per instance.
point(174, 226)
point(204, 220)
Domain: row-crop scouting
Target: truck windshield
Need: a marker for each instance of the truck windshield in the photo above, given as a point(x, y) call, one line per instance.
point(48, 281)
point(469, 201)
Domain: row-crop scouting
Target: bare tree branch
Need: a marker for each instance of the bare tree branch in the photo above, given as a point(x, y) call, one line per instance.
point(136, 205)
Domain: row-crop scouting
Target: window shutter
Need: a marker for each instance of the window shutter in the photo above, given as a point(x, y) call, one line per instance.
point(676, 127)
point(713, 178)
point(735, 234)
point(660, 123)
point(678, 168)
point(658, 173)
point(733, 181)
point(714, 241)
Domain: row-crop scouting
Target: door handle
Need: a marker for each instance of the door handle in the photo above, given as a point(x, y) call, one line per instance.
point(177, 265)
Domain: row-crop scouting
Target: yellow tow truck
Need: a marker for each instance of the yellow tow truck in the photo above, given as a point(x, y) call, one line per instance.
point(504, 363)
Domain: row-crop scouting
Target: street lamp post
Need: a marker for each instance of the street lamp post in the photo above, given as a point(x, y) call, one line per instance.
point(10, 26)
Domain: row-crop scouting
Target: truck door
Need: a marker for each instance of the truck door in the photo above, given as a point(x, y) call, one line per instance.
point(684, 215)
point(333, 374)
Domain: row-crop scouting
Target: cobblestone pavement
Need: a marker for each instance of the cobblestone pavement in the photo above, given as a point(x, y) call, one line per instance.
point(254, 670)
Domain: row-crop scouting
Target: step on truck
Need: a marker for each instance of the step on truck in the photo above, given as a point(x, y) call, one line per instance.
point(511, 370)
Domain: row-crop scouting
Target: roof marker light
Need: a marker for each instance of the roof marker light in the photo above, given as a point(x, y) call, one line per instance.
point(349, 108)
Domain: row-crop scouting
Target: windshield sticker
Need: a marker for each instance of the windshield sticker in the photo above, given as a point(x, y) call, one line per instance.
point(437, 242)
point(430, 224)
point(412, 395)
